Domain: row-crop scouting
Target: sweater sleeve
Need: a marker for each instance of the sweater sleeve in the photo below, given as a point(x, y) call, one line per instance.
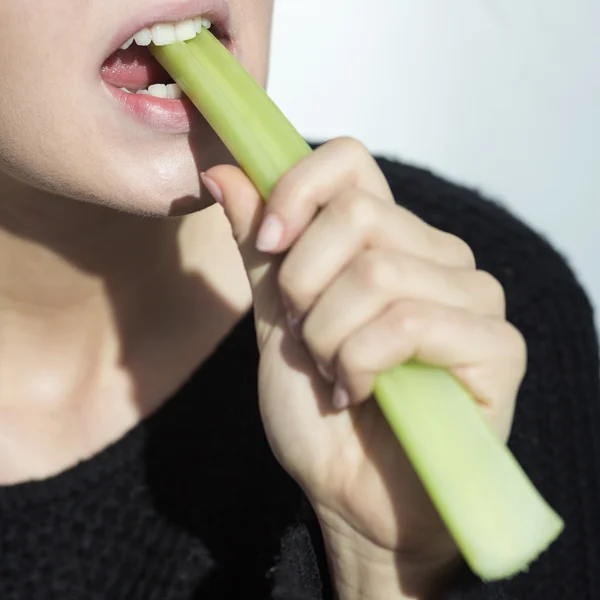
point(557, 415)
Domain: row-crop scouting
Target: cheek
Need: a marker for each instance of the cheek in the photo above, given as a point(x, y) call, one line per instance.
point(35, 90)
point(254, 30)
point(43, 78)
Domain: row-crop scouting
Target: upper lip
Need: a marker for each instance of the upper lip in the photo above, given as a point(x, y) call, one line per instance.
point(170, 12)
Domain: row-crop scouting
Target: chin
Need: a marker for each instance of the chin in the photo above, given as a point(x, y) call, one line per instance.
point(155, 180)
point(170, 186)
point(165, 206)
point(154, 197)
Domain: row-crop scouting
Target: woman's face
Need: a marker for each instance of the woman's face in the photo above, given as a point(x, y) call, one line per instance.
point(67, 128)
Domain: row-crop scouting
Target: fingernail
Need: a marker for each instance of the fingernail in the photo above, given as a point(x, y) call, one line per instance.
point(341, 397)
point(294, 324)
point(213, 187)
point(269, 234)
point(325, 372)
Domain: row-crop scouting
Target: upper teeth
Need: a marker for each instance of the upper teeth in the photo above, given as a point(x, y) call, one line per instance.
point(162, 34)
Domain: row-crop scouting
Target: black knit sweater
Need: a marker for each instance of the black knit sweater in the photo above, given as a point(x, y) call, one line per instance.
point(191, 504)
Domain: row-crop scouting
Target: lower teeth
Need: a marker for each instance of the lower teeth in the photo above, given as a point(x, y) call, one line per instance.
point(160, 90)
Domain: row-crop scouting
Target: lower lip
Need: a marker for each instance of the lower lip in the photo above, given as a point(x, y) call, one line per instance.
point(163, 114)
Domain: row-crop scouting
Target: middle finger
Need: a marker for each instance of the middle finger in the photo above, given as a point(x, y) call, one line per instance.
point(350, 224)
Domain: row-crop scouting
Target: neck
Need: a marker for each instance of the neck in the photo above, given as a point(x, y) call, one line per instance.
point(98, 305)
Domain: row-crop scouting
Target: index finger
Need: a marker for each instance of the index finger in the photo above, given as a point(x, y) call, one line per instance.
point(336, 166)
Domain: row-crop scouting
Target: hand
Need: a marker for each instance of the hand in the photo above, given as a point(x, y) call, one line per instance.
point(347, 284)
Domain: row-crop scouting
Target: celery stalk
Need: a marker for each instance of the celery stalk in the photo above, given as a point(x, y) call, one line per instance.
point(497, 518)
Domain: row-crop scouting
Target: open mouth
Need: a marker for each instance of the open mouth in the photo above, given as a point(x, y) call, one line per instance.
point(132, 68)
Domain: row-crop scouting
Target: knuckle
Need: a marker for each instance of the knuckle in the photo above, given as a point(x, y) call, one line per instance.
point(458, 251)
point(292, 189)
point(374, 270)
point(351, 145)
point(516, 346)
point(354, 208)
point(291, 286)
point(491, 291)
point(409, 317)
point(510, 350)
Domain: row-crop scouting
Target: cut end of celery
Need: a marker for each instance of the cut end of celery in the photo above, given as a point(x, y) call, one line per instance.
point(497, 517)
point(518, 556)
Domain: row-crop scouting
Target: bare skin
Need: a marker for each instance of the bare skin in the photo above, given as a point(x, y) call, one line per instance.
point(103, 314)
point(111, 295)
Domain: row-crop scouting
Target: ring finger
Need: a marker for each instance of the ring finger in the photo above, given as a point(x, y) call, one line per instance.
point(375, 279)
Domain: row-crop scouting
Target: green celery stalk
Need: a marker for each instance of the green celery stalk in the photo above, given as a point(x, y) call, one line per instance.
point(496, 516)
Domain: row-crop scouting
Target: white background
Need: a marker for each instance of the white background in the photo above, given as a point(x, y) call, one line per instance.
point(503, 95)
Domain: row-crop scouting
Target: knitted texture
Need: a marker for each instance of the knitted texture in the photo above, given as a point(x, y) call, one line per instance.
point(191, 504)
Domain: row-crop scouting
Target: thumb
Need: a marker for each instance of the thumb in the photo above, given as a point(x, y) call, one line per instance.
point(244, 208)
